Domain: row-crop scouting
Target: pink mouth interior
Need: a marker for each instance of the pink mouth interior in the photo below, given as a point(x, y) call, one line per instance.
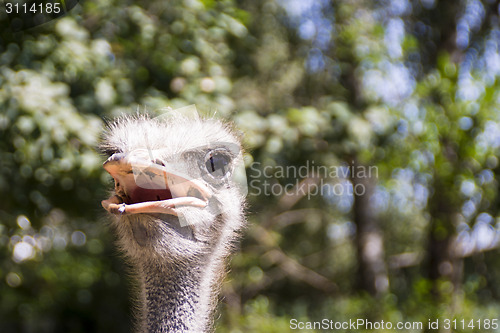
point(139, 194)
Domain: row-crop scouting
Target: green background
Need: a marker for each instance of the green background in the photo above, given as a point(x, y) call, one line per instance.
point(410, 87)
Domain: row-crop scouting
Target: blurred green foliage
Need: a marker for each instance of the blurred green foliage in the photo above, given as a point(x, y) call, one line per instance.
point(408, 87)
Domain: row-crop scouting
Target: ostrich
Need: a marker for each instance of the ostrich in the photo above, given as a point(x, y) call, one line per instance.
point(177, 213)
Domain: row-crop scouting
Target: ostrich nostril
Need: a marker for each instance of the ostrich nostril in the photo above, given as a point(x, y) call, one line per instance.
point(159, 162)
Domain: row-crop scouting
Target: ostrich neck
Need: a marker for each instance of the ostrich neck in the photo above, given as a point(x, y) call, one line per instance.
point(178, 298)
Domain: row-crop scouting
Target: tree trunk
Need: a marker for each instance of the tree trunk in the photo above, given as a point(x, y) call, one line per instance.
point(372, 269)
point(444, 205)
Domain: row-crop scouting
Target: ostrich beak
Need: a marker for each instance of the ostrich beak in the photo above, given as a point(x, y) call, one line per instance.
point(147, 187)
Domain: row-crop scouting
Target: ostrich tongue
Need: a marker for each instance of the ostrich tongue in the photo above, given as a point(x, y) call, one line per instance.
point(142, 187)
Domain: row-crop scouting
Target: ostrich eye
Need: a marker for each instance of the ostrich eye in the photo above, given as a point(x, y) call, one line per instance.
point(217, 163)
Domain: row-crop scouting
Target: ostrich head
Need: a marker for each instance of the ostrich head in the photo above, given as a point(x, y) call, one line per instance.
point(177, 210)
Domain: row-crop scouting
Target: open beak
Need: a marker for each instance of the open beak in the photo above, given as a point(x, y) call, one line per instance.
point(147, 187)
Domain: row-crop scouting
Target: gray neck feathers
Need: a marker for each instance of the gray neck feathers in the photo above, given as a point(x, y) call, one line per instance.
point(178, 299)
point(179, 288)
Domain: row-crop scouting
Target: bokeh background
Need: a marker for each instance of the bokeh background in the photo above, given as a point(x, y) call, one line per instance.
point(407, 87)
